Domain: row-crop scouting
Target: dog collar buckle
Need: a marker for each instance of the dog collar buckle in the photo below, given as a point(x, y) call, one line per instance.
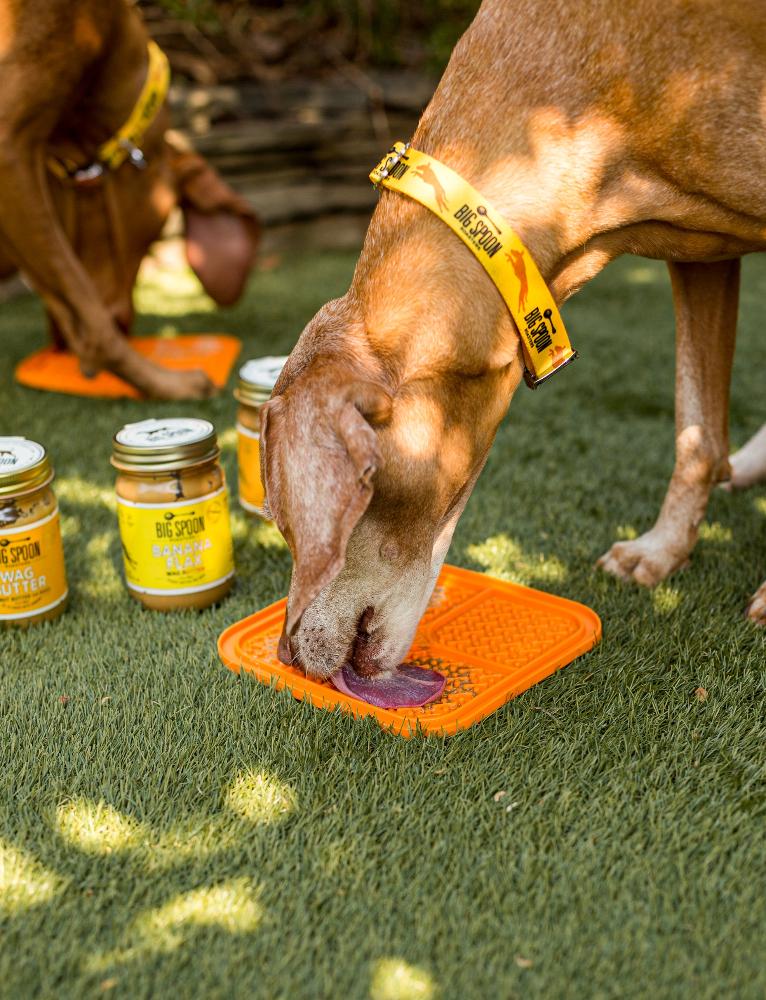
point(389, 164)
point(534, 382)
point(135, 155)
point(123, 146)
point(88, 176)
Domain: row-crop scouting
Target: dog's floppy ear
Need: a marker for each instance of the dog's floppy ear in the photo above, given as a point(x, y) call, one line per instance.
point(319, 458)
point(222, 230)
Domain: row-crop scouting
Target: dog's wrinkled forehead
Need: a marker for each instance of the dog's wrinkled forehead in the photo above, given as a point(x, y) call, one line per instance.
point(319, 456)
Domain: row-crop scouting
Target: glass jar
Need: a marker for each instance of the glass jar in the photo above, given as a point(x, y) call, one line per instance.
point(257, 379)
point(33, 585)
point(173, 513)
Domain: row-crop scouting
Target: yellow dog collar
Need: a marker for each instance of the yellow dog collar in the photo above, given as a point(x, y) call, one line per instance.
point(544, 340)
point(125, 143)
point(116, 150)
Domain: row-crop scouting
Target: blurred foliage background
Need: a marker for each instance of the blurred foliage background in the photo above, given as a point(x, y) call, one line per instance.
point(224, 40)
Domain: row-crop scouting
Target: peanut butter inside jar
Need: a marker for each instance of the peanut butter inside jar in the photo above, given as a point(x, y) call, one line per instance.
point(173, 513)
point(33, 584)
point(257, 379)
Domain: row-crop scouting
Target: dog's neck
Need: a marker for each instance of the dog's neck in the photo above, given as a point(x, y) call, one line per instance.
point(550, 146)
point(564, 177)
point(110, 91)
point(537, 110)
point(420, 292)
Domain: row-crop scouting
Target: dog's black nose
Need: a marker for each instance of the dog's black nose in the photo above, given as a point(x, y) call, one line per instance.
point(362, 629)
point(284, 649)
point(362, 656)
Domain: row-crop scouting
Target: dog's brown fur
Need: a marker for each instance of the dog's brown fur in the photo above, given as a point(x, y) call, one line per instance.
point(597, 129)
point(71, 72)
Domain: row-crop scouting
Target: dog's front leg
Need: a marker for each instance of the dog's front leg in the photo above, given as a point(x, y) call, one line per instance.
point(706, 298)
point(35, 242)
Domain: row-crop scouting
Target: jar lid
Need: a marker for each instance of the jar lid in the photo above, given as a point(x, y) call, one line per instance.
point(164, 445)
point(257, 379)
point(24, 466)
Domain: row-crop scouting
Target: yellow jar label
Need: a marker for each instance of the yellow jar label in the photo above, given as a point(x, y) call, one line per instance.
point(32, 574)
point(179, 548)
point(251, 491)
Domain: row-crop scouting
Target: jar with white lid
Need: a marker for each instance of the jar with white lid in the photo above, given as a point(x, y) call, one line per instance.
point(257, 379)
point(173, 513)
point(33, 584)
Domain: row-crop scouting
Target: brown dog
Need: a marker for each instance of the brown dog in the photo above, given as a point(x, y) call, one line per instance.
point(72, 71)
point(597, 129)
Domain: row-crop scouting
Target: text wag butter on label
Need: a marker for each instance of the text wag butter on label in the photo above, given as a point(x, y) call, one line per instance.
point(179, 548)
point(32, 574)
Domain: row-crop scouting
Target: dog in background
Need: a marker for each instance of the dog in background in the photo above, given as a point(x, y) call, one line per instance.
point(72, 71)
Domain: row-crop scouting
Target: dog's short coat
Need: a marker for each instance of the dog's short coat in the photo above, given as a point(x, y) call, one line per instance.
point(597, 129)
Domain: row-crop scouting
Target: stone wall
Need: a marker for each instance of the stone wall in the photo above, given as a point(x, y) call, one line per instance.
point(301, 151)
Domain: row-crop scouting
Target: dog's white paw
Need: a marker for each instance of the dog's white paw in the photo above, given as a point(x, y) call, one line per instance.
point(756, 609)
point(748, 465)
point(647, 560)
point(745, 472)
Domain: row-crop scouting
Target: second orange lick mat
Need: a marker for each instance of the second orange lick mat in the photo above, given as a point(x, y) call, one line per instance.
point(59, 371)
point(490, 639)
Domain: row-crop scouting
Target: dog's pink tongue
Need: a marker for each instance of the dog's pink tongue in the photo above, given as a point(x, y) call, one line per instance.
point(406, 687)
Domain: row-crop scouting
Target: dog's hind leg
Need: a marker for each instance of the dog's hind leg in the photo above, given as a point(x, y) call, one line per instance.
point(706, 298)
point(756, 609)
point(748, 465)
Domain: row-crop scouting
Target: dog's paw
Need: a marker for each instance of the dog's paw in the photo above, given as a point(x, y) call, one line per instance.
point(744, 474)
point(756, 609)
point(183, 385)
point(748, 465)
point(647, 560)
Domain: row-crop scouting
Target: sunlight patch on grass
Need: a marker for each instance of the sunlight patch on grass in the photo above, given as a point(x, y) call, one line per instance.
point(103, 579)
point(395, 979)
point(715, 532)
point(260, 798)
point(760, 504)
point(665, 599)
point(171, 291)
point(503, 556)
point(240, 522)
point(253, 529)
point(643, 274)
point(78, 492)
point(97, 827)
point(227, 439)
point(230, 906)
point(265, 533)
point(625, 533)
point(24, 882)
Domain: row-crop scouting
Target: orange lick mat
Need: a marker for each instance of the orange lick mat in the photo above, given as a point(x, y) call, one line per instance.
point(490, 639)
point(59, 371)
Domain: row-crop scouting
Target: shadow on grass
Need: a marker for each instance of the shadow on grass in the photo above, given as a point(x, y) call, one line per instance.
point(171, 829)
point(552, 533)
point(144, 854)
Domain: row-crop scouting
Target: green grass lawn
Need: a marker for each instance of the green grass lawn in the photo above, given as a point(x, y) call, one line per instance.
point(172, 831)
